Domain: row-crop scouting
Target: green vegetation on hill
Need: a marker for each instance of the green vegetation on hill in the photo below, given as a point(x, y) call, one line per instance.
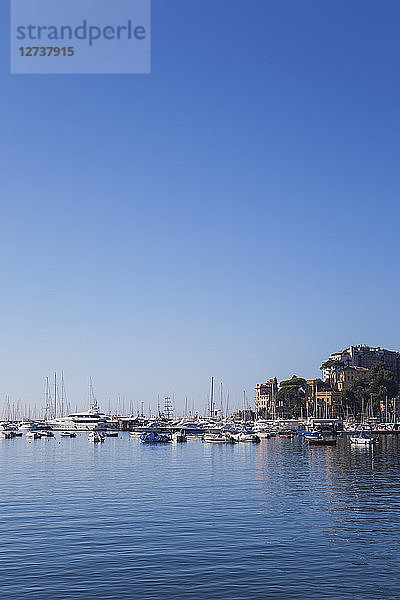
point(292, 393)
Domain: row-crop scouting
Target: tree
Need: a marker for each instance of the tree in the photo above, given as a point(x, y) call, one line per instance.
point(333, 366)
point(332, 362)
point(292, 393)
point(381, 384)
point(356, 396)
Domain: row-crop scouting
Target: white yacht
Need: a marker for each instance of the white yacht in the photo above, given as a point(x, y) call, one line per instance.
point(247, 436)
point(263, 428)
point(90, 420)
point(218, 438)
point(27, 425)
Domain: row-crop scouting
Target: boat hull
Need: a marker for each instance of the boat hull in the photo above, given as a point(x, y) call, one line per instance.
point(217, 439)
point(66, 426)
point(362, 441)
point(312, 442)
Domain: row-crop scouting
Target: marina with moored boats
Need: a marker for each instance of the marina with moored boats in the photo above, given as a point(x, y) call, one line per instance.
point(98, 427)
point(317, 413)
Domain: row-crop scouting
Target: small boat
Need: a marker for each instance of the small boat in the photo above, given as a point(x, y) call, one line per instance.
point(179, 437)
point(32, 435)
point(153, 437)
point(219, 438)
point(27, 426)
point(364, 439)
point(111, 433)
point(6, 434)
point(69, 434)
point(287, 434)
point(264, 435)
point(45, 433)
point(247, 436)
point(95, 437)
point(316, 439)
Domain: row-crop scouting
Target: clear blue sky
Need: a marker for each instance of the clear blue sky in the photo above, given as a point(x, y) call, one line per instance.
point(235, 213)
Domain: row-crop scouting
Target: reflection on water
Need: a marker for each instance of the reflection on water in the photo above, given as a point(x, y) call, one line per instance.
point(123, 519)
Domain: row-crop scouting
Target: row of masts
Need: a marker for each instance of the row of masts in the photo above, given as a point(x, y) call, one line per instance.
point(16, 411)
point(56, 404)
point(223, 410)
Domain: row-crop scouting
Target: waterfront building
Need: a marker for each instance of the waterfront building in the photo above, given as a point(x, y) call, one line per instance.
point(243, 415)
point(360, 356)
point(311, 390)
point(322, 402)
point(265, 402)
point(348, 375)
point(329, 404)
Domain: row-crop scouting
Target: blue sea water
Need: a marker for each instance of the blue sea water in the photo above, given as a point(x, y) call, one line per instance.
point(124, 520)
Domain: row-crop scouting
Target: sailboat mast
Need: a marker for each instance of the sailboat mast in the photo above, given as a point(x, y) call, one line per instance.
point(55, 395)
point(212, 398)
point(62, 394)
point(92, 398)
point(46, 399)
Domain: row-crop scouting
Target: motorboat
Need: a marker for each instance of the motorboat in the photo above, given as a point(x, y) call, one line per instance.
point(317, 439)
point(69, 434)
point(27, 426)
point(95, 437)
point(190, 428)
point(263, 428)
point(247, 436)
point(364, 439)
point(45, 433)
point(32, 435)
point(89, 420)
point(111, 433)
point(264, 435)
point(286, 434)
point(219, 438)
point(179, 437)
point(153, 437)
point(6, 434)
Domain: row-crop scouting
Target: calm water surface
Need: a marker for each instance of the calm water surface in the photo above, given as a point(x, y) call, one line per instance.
point(126, 520)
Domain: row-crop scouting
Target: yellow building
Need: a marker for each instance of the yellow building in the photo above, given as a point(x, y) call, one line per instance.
point(348, 375)
point(322, 403)
point(311, 389)
point(329, 404)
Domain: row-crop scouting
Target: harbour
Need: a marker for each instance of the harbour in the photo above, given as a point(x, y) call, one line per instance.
point(278, 518)
point(200, 355)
